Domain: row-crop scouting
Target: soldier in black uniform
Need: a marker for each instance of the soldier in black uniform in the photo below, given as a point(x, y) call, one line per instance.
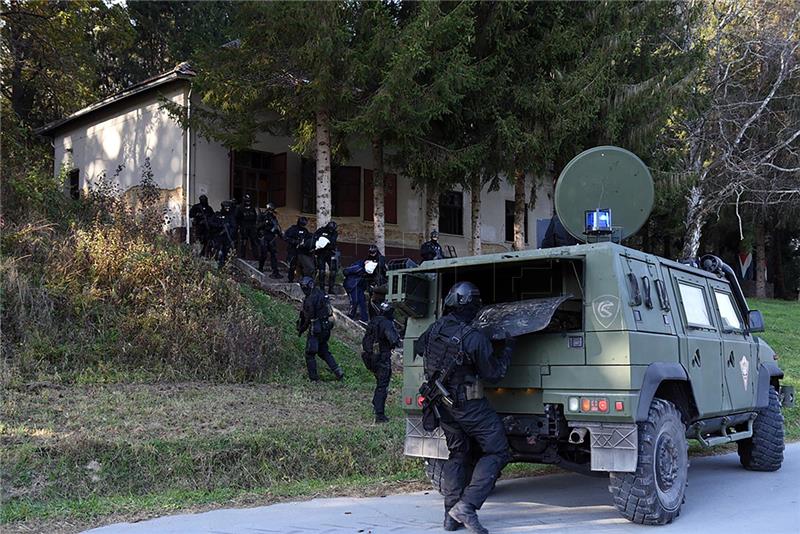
point(431, 250)
point(316, 317)
point(327, 255)
point(379, 339)
point(201, 215)
point(269, 230)
point(223, 228)
point(375, 267)
point(295, 235)
point(462, 358)
point(247, 221)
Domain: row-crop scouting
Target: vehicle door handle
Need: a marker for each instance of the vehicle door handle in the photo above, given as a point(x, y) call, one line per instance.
point(730, 360)
point(696, 361)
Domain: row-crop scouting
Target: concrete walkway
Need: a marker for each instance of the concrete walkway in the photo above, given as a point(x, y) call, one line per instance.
point(721, 498)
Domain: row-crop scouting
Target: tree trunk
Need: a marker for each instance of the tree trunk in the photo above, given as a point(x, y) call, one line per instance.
point(761, 256)
point(431, 209)
point(475, 192)
point(519, 211)
point(778, 276)
point(323, 168)
point(695, 220)
point(378, 196)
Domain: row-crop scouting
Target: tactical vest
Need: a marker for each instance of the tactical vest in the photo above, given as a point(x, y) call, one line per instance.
point(445, 343)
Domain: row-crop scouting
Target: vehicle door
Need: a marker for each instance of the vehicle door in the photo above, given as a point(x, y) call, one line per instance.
point(701, 344)
point(737, 357)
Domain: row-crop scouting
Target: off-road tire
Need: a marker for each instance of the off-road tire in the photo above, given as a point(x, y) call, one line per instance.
point(764, 451)
point(434, 468)
point(654, 493)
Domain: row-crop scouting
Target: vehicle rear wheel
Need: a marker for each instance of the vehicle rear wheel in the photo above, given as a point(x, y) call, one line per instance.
point(433, 470)
point(764, 451)
point(654, 493)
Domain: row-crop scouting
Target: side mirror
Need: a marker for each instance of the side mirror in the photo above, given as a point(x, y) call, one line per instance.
point(755, 321)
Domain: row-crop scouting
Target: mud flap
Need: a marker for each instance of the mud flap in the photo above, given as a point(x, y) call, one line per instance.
point(424, 444)
point(615, 446)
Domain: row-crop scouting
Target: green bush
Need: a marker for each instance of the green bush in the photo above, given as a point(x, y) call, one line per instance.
point(94, 287)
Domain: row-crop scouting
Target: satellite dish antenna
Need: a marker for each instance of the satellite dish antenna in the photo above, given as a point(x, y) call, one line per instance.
point(604, 191)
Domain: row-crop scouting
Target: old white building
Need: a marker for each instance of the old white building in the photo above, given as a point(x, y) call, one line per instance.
point(118, 134)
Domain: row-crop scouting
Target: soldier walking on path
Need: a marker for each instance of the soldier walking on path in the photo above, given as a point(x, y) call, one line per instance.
point(269, 230)
point(223, 228)
point(247, 221)
point(295, 235)
point(379, 339)
point(325, 239)
point(316, 316)
point(201, 215)
point(460, 358)
point(431, 250)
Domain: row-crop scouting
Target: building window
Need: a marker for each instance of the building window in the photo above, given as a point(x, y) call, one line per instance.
point(261, 175)
point(510, 221)
point(308, 186)
point(346, 191)
point(389, 198)
point(451, 212)
point(74, 183)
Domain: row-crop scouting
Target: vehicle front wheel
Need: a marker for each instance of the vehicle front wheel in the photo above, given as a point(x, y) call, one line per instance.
point(764, 451)
point(654, 493)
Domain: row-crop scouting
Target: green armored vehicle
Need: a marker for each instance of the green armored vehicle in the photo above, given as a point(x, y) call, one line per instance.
point(621, 356)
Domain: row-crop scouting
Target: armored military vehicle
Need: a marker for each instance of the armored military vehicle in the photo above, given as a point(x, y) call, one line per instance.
point(621, 356)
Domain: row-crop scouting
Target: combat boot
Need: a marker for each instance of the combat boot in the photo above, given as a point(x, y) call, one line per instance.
point(381, 419)
point(451, 524)
point(339, 374)
point(465, 514)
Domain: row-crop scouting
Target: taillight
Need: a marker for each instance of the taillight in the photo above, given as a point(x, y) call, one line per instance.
point(586, 405)
point(420, 400)
point(602, 405)
point(408, 401)
point(619, 406)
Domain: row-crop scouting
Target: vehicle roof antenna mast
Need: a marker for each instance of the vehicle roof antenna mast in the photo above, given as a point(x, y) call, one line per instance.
point(599, 183)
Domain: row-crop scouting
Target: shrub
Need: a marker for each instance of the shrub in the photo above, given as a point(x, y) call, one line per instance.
point(95, 284)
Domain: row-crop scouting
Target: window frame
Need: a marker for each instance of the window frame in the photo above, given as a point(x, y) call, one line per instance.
point(696, 326)
point(459, 208)
point(728, 329)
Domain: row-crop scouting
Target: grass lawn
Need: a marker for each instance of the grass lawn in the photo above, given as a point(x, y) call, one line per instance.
point(82, 455)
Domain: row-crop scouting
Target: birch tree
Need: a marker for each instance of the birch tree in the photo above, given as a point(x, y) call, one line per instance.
point(749, 80)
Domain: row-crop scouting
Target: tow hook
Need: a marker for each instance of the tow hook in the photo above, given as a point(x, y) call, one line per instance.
point(578, 435)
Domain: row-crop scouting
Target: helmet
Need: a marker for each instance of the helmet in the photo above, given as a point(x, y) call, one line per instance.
point(434, 234)
point(270, 206)
point(331, 226)
point(373, 251)
point(463, 294)
point(246, 199)
point(307, 284)
point(203, 199)
point(227, 206)
point(302, 221)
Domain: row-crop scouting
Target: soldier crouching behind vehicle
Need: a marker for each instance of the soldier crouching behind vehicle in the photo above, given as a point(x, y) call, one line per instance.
point(457, 359)
point(316, 317)
point(379, 339)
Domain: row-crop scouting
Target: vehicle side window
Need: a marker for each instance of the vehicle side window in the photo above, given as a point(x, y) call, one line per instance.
point(727, 311)
point(694, 305)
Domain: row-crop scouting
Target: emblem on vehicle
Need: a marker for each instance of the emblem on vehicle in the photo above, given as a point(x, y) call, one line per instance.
point(744, 366)
point(606, 308)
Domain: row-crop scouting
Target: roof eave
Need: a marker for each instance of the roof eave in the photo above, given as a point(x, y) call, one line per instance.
point(172, 76)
